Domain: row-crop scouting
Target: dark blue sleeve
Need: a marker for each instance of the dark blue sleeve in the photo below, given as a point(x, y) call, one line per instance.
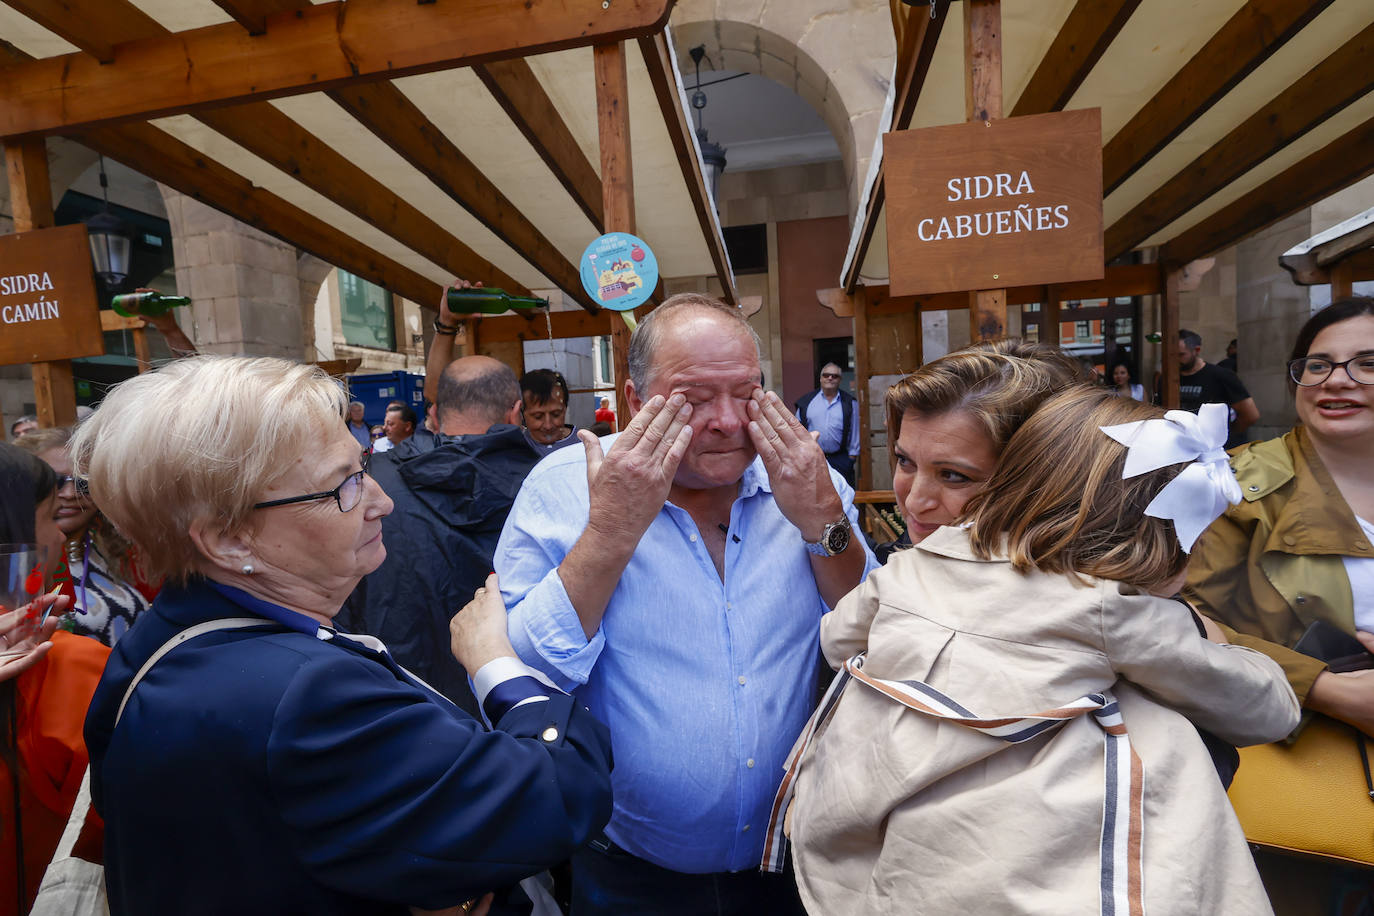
point(396, 798)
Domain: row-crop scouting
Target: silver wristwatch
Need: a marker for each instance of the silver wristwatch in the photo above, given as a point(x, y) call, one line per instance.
point(834, 539)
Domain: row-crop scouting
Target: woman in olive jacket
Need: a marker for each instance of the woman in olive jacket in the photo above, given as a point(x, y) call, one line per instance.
point(1299, 548)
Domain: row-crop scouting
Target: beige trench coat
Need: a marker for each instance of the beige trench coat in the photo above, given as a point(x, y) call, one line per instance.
point(897, 813)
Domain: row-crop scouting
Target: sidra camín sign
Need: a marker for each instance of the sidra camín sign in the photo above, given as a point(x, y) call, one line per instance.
point(988, 205)
point(48, 309)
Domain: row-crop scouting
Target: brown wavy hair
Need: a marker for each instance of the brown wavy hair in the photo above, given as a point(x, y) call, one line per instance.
point(999, 382)
point(1057, 502)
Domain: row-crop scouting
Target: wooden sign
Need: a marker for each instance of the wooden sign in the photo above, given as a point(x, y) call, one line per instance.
point(48, 309)
point(988, 205)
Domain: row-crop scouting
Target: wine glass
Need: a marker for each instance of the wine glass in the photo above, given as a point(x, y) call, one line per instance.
point(22, 568)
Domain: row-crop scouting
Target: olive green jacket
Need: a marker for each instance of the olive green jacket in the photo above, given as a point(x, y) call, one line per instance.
point(1272, 565)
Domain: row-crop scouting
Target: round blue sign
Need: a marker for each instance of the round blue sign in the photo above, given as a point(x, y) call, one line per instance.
point(619, 271)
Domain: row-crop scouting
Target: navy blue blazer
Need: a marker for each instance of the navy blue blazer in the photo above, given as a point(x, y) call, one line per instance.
point(269, 771)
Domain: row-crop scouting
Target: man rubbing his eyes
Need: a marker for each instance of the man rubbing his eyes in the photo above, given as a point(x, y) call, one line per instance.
point(675, 583)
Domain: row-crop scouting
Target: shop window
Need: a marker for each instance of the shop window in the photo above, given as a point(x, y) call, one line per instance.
point(365, 313)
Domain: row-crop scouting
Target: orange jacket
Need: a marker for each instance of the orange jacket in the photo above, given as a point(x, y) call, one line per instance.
point(50, 702)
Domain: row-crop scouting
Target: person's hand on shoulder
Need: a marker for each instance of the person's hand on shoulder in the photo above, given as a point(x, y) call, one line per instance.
point(796, 466)
point(629, 484)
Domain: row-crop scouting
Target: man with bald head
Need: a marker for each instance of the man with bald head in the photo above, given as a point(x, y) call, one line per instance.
point(450, 502)
point(675, 583)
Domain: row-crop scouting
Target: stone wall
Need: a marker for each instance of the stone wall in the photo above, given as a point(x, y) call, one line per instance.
point(838, 55)
point(246, 285)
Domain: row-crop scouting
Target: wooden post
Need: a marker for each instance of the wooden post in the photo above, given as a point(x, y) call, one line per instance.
point(617, 187)
point(863, 468)
point(26, 162)
point(1049, 316)
point(1168, 324)
point(983, 102)
point(470, 326)
point(143, 354)
point(1342, 280)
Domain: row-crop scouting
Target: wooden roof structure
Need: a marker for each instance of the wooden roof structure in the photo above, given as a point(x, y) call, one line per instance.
point(1218, 119)
point(406, 141)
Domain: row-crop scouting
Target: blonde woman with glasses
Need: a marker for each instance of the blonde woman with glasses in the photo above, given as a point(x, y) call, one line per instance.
point(264, 761)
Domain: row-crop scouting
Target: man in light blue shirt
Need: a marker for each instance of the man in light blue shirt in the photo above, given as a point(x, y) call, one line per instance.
point(676, 585)
point(833, 415)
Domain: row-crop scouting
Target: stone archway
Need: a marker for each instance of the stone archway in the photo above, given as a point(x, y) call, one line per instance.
point(837, 55)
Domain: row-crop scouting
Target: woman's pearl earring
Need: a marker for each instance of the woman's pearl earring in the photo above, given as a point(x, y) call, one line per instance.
point(248, 569)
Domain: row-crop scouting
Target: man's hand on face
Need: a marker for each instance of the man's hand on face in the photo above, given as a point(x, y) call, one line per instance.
point(630, 483)
point(796, 466)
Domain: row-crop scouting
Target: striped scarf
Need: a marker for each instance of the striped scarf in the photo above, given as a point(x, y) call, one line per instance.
point(1121, 885)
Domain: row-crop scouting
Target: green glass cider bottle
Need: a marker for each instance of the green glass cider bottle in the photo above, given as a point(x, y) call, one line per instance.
point(486, 300)
point(148, 303)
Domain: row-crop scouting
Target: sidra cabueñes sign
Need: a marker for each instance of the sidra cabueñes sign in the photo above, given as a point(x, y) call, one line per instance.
point(993, 204)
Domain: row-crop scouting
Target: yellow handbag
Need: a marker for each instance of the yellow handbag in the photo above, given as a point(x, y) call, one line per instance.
point(1313, 797)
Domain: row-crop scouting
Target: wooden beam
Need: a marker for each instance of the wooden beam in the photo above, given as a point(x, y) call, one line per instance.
point(312, 49)
point(517, 90)
point(1119, 280)
point(617, 183)
point(660, 65)
point(1247, 40)
point(398, 122)
point(506, 328)
point(273, 136)
point(1079, 44)
point(1336, 82)
point(94, 26)
point(162, 157)
point(26, 167)
point(983, 102)
point(251, 14)
point(1168, 309)
point(1339, 164)
point(924, 36)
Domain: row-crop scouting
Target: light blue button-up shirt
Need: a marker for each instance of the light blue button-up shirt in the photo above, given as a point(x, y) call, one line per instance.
point(827, 418)
point(704, 684)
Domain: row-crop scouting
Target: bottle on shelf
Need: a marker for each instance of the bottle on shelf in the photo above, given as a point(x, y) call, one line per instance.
point(488, 300)
point(146, 302)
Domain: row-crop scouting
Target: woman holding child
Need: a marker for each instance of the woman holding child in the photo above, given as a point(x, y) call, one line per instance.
point(1041, 614)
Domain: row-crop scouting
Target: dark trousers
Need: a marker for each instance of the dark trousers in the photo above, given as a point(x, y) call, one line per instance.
point(841, 462)
point(608, 881)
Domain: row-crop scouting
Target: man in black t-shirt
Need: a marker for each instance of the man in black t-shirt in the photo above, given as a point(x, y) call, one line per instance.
point(1200, 383)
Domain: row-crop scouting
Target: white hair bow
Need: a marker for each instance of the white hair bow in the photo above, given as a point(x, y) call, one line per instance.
point(1200, 494)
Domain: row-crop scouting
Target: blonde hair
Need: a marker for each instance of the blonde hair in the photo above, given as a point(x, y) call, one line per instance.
point(200, 439)
point(999, 383)
point(1057, 502)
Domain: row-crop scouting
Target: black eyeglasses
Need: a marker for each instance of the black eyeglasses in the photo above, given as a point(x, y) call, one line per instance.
point(830, 375)
point(1311, 371)
point(347, 494)
point(79, 482)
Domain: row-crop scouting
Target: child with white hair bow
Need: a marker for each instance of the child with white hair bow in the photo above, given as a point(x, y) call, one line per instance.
point(1015, 723)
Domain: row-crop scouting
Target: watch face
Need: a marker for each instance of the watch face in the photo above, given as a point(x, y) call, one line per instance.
point(837, 539)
